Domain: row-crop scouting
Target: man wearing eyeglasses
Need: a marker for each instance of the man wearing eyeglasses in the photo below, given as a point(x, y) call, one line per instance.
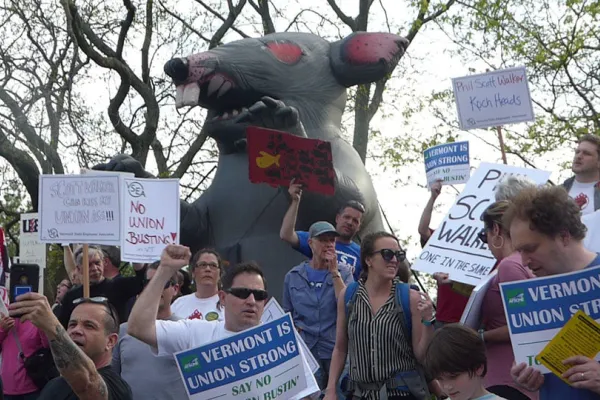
point(82, 352)
point(118, 291)
point(243, 296)
point(310, 294)
point(150, 377)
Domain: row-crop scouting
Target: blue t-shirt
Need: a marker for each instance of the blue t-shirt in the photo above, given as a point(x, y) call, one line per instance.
point(347, 254)
point(316, 279)
point(555, 388)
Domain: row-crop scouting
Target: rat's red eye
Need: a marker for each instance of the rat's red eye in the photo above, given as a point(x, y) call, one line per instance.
point(284, 51)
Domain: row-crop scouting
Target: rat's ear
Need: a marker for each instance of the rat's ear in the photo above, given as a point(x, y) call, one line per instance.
point(365, 57)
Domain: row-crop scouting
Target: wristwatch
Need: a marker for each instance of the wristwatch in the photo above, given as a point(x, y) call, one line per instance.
point(481, 331)
point(429, 322)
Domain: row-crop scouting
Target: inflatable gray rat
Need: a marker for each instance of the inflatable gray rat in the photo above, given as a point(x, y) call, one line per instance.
point(292, 82)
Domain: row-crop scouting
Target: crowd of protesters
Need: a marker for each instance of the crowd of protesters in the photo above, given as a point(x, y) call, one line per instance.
point(372, 334)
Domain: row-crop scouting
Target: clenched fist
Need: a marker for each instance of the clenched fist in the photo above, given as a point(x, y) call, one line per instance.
point(175, 256)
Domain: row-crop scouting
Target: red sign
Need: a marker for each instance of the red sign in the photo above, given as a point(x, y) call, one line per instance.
point(278, 157)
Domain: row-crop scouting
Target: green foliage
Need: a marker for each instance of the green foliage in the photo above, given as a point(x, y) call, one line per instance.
point(558, 42)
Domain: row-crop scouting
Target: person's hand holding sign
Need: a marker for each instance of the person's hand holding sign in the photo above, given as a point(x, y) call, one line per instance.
point(295, 191)
point(527, 377)
point(584, 373)
point(442, 278)
point(436, 189)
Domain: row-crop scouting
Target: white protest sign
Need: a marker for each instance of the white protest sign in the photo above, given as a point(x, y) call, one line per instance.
point(447, 162)
point(454, 247)
point(80, 209)
point(471, 316)
point(260, 363)
point(274, 311)
point(31, 250)
point(493, 99)
point(536, 309)
point(150, 218)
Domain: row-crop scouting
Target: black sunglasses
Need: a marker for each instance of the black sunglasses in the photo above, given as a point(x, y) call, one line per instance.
point(244, 293)
point(482, 236)
point(97, 300)
point(389, 254)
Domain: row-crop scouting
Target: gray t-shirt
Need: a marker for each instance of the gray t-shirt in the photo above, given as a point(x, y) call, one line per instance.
point(151, 377)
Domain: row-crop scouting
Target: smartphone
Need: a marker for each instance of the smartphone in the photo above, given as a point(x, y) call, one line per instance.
point(24, 278)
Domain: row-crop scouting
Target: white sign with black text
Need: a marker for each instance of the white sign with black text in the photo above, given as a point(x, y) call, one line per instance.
point(454, 247)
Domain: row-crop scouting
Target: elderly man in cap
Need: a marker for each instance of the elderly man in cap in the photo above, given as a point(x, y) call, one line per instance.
point(310, 294)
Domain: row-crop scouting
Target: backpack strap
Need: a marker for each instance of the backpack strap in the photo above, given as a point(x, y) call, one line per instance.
point(350, 298)
point(403, 307)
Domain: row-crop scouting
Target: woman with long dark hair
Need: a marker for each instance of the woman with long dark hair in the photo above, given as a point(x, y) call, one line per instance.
point(385, 340)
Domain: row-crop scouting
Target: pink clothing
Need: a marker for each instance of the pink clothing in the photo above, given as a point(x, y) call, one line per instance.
point(500, 355)
point(14, 377)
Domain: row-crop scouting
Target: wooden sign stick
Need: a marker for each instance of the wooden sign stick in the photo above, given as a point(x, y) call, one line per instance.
point(501, 140)
point(85, 279)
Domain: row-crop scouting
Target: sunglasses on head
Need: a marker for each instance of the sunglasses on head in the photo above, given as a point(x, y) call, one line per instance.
point(244, 293)
point(389, 254)
point(482, 236)
point(167, 285)
point(97, 300)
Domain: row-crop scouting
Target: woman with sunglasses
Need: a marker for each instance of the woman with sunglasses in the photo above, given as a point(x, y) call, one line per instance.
point(495, 330)
point(382, 357)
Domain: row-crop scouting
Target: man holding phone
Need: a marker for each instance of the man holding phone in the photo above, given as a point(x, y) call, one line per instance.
point(82, 353)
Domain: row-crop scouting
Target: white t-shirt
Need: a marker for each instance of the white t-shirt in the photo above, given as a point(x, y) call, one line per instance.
point(175, 336)
point(583, 194)
point(191, 307)
point(592, 237)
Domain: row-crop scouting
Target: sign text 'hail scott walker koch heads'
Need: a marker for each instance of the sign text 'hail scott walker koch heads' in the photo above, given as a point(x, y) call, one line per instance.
point(454, 247)
point(492, 99)
point(536, 309)
point(262, 363)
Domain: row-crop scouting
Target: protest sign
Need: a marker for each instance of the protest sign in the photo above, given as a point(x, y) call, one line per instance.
point(579, 337)
point(471, 316)
point(274, 311)
point(278, 157)
point(537, 309)
point(493, 99)
point(150, 218)
point(260, 363)
point(454, 247)
point(447, 162)
point(31, 250)
point(80, 209)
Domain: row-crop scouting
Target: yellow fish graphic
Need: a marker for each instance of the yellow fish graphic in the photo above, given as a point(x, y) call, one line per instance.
point(266, 160)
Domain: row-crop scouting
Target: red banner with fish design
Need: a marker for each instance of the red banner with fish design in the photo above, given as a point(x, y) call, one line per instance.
point(278, 157)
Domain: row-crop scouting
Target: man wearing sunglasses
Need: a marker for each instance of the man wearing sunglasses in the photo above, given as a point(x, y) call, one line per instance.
point(310, 295)
point(150, 377)
point(82, 352)
point(243, 296)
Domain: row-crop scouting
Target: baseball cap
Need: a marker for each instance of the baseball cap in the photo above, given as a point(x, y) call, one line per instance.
point(321, 227)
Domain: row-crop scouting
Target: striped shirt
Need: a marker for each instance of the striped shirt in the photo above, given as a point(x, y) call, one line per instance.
point(377, 347)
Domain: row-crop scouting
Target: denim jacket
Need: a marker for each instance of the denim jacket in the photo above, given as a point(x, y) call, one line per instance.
point(315, 318)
